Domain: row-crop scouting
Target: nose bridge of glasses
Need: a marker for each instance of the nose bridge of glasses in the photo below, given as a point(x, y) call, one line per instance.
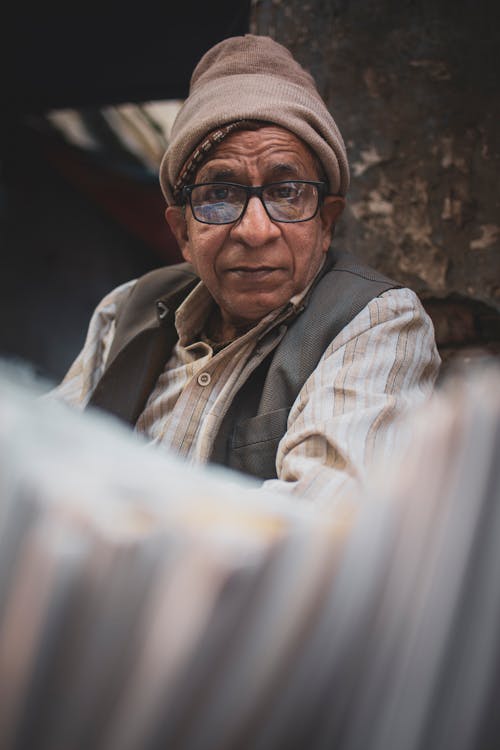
point(254, 191)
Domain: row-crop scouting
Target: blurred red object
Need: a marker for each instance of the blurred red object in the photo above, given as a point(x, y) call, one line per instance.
point(134, 201)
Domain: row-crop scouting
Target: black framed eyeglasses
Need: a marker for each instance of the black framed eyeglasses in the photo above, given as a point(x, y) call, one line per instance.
point(288, 201)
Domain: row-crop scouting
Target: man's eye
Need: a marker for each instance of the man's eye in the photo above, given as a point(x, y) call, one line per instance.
point(215, 194)
point(283, 192)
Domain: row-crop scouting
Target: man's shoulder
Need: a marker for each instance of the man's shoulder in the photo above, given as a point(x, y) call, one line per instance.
point(158, 285)
point(162, 279)
point(151, 294)
point(344, 288)
point(344, 262)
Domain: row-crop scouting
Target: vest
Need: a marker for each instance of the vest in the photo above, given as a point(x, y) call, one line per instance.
point(256, 420)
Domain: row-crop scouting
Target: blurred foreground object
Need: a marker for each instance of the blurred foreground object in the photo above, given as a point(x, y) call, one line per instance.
point(148, 604)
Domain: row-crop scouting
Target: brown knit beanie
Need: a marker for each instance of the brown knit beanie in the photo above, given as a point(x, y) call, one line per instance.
point(254, 78)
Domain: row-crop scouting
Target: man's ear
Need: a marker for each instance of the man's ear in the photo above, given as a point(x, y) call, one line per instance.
point(330, 210)
point(176, 220)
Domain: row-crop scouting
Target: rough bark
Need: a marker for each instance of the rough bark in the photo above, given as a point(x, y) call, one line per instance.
point(414, 89)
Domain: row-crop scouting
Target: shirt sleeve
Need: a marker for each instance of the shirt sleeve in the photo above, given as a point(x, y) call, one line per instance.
point(381, 366)
point(79, 383)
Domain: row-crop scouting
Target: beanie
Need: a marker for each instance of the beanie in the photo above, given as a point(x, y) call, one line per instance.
point(254, 78)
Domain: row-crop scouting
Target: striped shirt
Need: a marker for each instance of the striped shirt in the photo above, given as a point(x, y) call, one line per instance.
point(383, 363)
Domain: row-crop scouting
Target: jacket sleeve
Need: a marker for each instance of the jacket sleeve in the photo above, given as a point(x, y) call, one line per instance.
point(82, 377)
point(382, 365)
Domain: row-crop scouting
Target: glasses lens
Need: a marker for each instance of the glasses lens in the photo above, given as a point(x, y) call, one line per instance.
point(217, 203)
point(291, 201)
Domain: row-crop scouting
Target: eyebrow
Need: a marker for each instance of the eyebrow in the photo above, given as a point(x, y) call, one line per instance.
point(285, 168)
point(216, 174)
point(226, 174)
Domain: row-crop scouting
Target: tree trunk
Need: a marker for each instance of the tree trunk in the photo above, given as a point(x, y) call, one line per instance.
point(413, 87)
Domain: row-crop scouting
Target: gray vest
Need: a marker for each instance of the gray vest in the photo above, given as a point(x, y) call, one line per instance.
point(257, 417)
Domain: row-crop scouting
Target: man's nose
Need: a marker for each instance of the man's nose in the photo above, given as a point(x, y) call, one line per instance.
point(255, 227)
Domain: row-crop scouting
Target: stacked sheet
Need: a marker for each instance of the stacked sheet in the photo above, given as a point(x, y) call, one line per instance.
point(147, 603)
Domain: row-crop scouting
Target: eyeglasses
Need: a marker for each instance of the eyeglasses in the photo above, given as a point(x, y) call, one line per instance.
point(225, 202)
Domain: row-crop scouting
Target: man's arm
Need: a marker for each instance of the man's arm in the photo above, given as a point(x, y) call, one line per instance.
point(82, 377)
point(381, 365)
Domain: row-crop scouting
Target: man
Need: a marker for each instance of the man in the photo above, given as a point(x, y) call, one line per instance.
point(268, 353)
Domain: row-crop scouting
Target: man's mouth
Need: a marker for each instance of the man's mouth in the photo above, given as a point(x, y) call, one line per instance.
point(253, 271)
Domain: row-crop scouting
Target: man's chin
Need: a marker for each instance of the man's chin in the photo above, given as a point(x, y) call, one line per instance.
point(250, 313)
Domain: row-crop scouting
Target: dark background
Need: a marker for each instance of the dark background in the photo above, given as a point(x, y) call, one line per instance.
point(72, 226)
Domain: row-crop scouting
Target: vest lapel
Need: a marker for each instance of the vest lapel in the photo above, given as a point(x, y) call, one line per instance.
point(133, 368)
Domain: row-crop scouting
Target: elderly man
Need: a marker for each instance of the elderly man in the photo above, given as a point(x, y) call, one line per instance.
point(267, 351)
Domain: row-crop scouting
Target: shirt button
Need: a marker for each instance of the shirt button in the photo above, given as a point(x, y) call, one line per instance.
point(204, 378)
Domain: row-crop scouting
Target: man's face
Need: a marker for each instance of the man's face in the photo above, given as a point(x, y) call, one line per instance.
point(256, 265)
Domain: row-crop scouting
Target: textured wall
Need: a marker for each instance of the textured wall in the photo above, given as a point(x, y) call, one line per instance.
point(414, 88)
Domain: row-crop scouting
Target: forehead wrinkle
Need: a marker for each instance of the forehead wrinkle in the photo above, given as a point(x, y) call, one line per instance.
point(274, 172)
